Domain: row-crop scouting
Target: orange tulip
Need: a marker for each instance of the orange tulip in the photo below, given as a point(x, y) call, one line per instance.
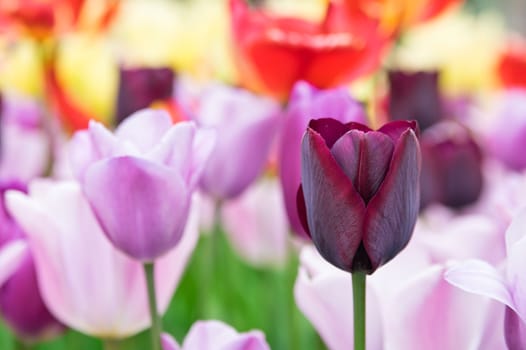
point(274, 52)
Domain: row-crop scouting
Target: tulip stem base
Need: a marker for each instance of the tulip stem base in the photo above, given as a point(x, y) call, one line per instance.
point(358, 293)
point(152, 301)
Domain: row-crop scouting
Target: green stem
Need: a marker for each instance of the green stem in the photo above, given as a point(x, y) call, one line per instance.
point(152, 301)
point(112, 344)
point(358, 293)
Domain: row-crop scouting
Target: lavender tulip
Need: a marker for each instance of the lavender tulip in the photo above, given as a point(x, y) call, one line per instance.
point(306, 103)
point(139, 181)
point(86, 283)
point(360, 191)
point(506, 287)
point(507, 135)
point(247, 125)
point(140, 87)
point(215, 335)
point(24, 145)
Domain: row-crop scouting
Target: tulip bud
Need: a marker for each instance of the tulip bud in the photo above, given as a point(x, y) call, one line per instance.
point(451, 166)
point(360, 191)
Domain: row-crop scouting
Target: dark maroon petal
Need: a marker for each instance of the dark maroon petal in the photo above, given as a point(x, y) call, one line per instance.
point(364, 158)
point(514, 330)
point(391, 214)
point(397, 128)
point(329, 129)
point(335, 211)
point(302, 212)
point(415, 95)
point(358, 126)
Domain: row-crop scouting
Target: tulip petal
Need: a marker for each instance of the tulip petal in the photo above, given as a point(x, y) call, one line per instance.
point(141, 206)
point(478, 277)
point(330, 129)
point(144, 128)
point(168, 342)
point(397, 128)
point(11, 255)
point(302, 210)
point(364, 157)
point(206, 335)
point(514, 330)
point(335, 210)
point(391, 214)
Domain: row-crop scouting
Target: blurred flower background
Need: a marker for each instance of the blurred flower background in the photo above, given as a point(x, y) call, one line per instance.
point(170, 131)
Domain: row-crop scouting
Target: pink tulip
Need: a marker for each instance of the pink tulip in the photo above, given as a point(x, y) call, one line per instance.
point(306, 103)
point(85, 282)
point(215, 335)
point(139, 180)
point(247, 125)
point(256, 224)
point(25, 147)
point(506, 287)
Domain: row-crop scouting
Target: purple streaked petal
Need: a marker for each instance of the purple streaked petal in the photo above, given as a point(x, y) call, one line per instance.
point(335, 210)
point(302, 212)
point(397, 128)
point(329, 129)
point(144, 128)
point(479, 277)
point(141, 206)
point(391, 214)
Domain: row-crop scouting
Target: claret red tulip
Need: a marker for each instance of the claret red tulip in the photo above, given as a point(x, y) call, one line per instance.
point(359, 198)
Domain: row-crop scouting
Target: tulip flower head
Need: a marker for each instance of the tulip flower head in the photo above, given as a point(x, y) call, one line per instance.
point(359, 197)
point(139, 181)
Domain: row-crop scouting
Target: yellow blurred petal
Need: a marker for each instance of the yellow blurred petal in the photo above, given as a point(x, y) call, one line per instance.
point(20, 69)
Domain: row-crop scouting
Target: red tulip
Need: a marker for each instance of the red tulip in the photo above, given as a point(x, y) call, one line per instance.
point(512, 65)
point(275, 52)
point(360, 191)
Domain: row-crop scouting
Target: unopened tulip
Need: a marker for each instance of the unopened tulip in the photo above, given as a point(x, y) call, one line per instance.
point(415, 95)
point(451, 166)
point(140, 87)
point(86, 283)
point(139, 181)
point(360, 191)
point(246, 126)
point(306, 103)
point(215, 335)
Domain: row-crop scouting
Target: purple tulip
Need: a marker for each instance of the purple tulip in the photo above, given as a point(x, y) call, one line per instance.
point(247, 125)
point(212, 335)
point(139, 181)
point(451, 166)
point(307, 103)
point(360, 191)
point(140, 87)
point(507, 135)
point(415, 95)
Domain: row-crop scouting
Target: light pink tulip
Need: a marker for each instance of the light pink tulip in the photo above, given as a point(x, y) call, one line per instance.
point(139, 181)
point(256, 223)
point(86, 283)
point(25, 146)
point(215, 335)
point(507, 285)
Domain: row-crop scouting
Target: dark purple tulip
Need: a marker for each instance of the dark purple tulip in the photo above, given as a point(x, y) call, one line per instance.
point(451, 166)
point(140, 87)
point(360, 191)
point(415, 95)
